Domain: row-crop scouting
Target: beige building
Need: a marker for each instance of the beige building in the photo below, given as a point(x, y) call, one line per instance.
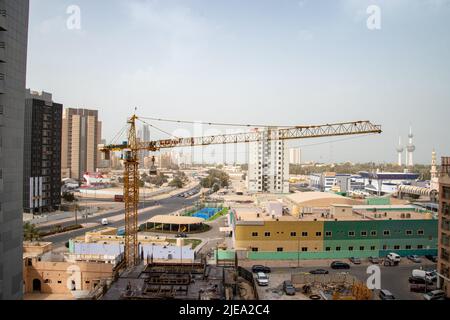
point(71, 275)
point(81, 133)
point(444, 226)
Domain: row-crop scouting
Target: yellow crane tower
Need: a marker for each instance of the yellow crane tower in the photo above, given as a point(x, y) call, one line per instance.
point(131, 148)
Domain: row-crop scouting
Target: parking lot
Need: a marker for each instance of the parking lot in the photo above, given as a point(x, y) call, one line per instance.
point(394, 279)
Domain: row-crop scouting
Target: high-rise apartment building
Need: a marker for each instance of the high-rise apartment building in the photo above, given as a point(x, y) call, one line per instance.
point(295, 156)
point(42, 153)
point(268, 167)
point(444, 227)
point(13, 57)
point(80, 138)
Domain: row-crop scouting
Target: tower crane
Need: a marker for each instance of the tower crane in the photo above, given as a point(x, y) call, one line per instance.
point(131, 148)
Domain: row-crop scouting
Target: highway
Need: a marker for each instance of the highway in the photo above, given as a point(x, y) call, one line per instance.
point(165, 206)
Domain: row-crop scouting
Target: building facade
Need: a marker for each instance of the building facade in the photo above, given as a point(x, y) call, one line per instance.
point(341, 233)
point(268, 166)
point(42, 153)
point(444, 227)
point(80, 134)
point(13, 57)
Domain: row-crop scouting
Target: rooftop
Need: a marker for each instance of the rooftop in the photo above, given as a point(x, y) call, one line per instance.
point(253, 214)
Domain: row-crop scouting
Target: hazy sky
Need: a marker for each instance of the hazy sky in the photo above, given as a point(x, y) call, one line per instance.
point(271, 62)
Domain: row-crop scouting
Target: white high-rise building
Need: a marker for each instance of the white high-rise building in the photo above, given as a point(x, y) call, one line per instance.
point(295, 156)
point(268, 168)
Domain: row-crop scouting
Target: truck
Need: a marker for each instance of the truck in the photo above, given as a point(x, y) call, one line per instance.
point(118, 198)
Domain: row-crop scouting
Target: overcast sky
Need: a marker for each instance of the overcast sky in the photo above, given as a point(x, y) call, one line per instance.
point(270, 62)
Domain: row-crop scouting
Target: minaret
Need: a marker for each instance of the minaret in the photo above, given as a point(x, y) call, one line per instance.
point(400, 151)
point(433, 171)
point(410, 148)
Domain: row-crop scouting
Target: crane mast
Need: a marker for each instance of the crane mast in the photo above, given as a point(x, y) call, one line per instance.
point(131, 195)
point(132, 147)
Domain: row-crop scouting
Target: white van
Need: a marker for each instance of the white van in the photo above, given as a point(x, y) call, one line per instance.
point(394, 257)
point(431, 276)
point(105, 222)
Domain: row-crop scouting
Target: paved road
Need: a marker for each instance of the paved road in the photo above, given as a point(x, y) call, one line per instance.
point(394, 279)
point(165, 206)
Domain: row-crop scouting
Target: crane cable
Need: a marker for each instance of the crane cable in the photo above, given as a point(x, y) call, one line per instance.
point(215, 123)
point(159, 129)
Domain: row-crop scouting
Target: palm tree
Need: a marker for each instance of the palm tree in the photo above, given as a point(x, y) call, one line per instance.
point(30, 233)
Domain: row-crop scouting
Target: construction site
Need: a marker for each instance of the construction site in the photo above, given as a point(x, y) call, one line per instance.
point(194, 281)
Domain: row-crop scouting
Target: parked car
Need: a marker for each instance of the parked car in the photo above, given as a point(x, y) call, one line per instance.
point(394, 257)
point(431, 258)
point(386, 295)
point(414, 258)
point(181, 235)
point(374, 260)
point(319, 271)
point(262, 279)
point(105, 222)
point(260, 268)
point(429, 275)
point(419, 280)
point(434, 295)
point(355, 260)
point(289, 288)
point(339, 265)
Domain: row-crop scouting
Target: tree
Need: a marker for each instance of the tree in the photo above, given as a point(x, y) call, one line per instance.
point(68, 197)
point(30, 233)
point(176, 182)
point(216, 177)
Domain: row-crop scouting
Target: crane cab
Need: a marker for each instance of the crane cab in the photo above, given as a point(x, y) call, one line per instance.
point(127, 155)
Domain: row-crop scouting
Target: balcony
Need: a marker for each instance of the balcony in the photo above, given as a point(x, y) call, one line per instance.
point(2, 51)
point(2, 83)
point(3, 20)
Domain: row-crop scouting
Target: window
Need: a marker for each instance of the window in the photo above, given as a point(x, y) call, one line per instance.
point(338, 248)
point(397, 247)
point(409, 232)
point(59, 282)
point(372, 248)
point(420, 246)
point(87, 282)
point(351, 233)
point(327, 249)
point(279, 249)
point(361, 248)
point(254, 234)
point(255, 249)
point(318, 234)
point(304, 249)
point(408, 247)
point(304, 234)
point(363, 233)
point(267, 234)
point(328, 233)
point(350, 248)
point(293, 234)
point(373, 233)
point(420, 232)
point(385, 247)
point(386, 232)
